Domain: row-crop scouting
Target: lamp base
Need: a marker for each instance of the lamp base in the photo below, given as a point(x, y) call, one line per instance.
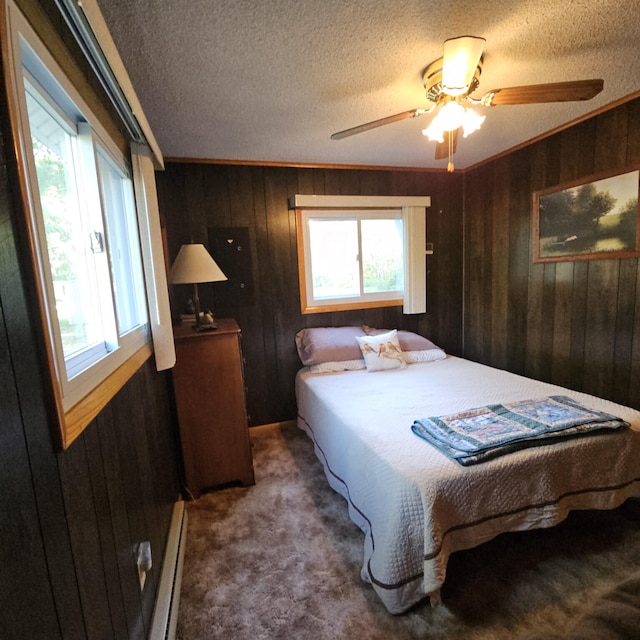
point(204, 321)
point(205, 327)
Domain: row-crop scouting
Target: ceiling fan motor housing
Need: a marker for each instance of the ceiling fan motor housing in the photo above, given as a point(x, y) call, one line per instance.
point(432, 80)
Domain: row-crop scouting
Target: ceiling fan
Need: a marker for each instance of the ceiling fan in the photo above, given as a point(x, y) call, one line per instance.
point(450, 80)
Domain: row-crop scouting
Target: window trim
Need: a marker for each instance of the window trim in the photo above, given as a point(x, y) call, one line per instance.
point(70, 416)
point(413, 210)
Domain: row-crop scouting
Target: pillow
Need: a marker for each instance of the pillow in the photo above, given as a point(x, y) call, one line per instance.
point(408, 340)
point(428, 355)
point(382, 351)
point(328, 344)
point(332, 367)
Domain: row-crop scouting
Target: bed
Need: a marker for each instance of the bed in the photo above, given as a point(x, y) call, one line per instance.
point(416, 505)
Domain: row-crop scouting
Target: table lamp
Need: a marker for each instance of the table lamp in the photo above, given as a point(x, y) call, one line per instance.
point(192, 265)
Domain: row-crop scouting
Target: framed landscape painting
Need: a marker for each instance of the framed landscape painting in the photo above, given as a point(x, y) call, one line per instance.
point(595, 218)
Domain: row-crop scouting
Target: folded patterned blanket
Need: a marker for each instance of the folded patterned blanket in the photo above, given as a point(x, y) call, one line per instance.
point(479, 434)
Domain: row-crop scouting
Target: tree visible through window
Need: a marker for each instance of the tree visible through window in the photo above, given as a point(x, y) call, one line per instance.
point(382, 255)
point(87, 232)
point(53, 151)
point(353, 257)
point(85, 228)
point(357, 252)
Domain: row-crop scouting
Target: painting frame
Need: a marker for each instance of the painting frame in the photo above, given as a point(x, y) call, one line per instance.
point(567, 219)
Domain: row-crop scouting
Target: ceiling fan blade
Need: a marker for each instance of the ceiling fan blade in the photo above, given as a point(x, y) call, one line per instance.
point(461, 57)
point(442, 148)
point(551, 92)
point(414, 113)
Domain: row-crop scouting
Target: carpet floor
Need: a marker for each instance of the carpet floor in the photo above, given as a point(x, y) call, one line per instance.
point(282, 560)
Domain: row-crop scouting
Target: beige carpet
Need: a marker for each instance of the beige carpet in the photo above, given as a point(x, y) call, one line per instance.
point(281, 559)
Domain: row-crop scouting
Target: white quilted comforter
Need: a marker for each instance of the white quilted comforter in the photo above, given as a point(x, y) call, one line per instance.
point(415, 505)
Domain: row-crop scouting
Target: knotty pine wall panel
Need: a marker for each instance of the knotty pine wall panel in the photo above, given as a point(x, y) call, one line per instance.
point(195, 197)
point(572, 323)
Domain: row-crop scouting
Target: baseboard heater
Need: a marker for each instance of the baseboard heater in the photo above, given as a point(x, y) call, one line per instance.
point(165, 613)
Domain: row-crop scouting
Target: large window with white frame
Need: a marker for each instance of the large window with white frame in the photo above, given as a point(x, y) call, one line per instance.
point(83, 223)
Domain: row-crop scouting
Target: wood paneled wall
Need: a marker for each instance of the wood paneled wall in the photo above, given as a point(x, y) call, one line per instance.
point(70, 522)
point(572, 323)
point(196, 196)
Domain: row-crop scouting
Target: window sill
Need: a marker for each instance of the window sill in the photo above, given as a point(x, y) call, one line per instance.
point(373, 304)
point(75, 419)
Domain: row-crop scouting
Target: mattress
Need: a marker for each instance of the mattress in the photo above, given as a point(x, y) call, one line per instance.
point(415, 505)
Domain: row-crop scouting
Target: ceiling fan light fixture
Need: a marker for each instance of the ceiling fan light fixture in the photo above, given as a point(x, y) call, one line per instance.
point(452, 116)
point(448, 118)
point(471, 121)
point(461, 58)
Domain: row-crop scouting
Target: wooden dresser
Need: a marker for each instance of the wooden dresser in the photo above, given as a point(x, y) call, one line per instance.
point(210, 397)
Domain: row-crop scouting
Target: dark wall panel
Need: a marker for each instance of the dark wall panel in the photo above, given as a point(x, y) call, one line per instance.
point(85, 541)
point(70, 520)
point(571, 323)
point(33, 531)
point(24, 582)
point(105, 517)
point(197, 198)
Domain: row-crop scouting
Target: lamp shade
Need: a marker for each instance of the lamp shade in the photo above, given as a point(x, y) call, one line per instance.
point(194, 264)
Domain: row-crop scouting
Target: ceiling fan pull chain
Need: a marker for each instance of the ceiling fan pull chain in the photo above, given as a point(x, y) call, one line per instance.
point(450, 163)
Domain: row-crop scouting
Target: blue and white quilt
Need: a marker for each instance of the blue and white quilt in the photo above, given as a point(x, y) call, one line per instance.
point(482, 433)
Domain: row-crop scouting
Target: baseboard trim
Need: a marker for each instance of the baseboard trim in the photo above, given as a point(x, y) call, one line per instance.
point(165, 612)
point(275, 425)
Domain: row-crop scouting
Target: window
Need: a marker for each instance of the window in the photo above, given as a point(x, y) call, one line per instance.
point(361, 256)
point(353, 256)
point(83, 224)
point(124, 245)
point(86, 217)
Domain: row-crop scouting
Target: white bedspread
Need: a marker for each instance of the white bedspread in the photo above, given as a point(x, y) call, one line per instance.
point(415, 505)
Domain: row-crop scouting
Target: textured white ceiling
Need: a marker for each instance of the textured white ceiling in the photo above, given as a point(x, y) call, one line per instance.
point(271, 80)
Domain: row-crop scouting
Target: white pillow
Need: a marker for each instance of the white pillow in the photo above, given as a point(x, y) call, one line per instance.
point(428, 355)
point(332, 367)
point(381, 351)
